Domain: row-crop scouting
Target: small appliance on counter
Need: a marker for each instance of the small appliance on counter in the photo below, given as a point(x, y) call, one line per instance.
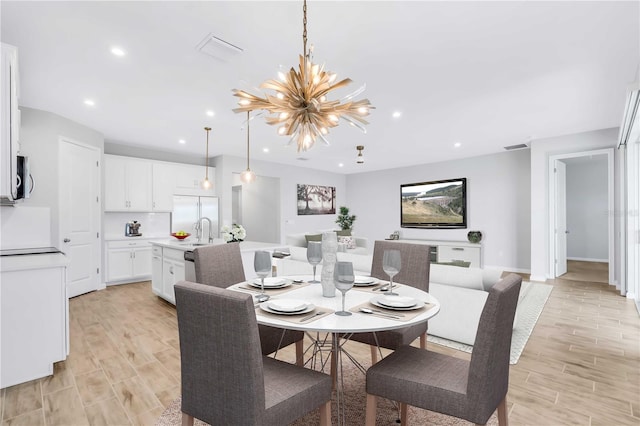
point(132, 229)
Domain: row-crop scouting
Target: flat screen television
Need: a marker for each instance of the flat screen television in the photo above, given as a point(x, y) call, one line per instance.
point(435, 204)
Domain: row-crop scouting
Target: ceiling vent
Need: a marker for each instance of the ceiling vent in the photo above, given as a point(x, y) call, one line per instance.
point(518, 146)
point(218, 48)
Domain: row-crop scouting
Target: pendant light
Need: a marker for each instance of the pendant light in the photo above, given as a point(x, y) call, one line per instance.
point(360, 157)
point(248, 176)
point(205, 183)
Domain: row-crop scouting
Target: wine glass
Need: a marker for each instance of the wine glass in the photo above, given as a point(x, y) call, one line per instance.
point(314, 256)
point(391, 266)
point(262, 265)
point(343, 279)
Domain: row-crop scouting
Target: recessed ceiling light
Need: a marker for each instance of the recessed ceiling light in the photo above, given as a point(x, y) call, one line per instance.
point(89, 102)
point(182, 141)
point(211, 113)
point(265, 149)
point(457, 144)
point(396, 114)
point(118, 51)
point(341, 165)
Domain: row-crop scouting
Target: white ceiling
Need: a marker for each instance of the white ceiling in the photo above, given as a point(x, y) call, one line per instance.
point(483, 74)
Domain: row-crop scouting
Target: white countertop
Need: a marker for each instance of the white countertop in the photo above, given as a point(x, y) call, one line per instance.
point(120, 237)
point(33, 261)
point(188, 244)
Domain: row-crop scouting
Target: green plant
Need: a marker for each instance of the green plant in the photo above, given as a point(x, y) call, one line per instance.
point(344, 220)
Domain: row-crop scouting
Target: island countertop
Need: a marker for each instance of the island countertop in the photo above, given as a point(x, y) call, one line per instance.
point(190, 244)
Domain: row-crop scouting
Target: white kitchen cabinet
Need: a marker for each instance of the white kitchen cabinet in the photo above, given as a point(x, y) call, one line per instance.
point(33, 316)
point(156, 270)
point(189, 178)
point(128, 261)
point(10, 116)
point(163, 186)
point(172, 272)
point(127, 184)
point(451, 251)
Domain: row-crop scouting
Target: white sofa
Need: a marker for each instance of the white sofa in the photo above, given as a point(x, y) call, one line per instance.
point(299, 240)
point(462, 292)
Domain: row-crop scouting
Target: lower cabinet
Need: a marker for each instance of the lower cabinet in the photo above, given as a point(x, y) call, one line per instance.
point(128, 261)
point(167, 270)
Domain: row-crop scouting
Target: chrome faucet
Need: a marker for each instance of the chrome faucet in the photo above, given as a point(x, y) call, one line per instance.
point(198, 228)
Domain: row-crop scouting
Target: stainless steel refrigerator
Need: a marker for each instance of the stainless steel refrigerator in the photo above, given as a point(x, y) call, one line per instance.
point(189, 209)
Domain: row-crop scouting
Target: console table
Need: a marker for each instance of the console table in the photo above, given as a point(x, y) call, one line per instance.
point(451, 251)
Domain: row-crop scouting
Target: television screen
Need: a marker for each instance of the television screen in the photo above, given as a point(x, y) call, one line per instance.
point(436, 204)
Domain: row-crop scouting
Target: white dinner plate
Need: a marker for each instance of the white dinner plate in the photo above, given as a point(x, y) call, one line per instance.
point(287, 305)
point(265, 307)
point(362, 281)
point(271, 282)
point(377, 301)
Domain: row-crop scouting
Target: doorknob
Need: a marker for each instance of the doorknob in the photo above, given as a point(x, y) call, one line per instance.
point(66, 240)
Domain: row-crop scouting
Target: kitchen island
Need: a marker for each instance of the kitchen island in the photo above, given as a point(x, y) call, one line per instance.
point(168, 265)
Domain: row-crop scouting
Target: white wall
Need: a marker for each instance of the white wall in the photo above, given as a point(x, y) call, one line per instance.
point(587, 208)
point(541, 150)
point(289, 177)
point(498, 204)
point(260, 204)
point(39, 140)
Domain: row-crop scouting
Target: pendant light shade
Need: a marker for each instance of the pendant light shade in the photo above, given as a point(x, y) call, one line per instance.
point(247, 176)
point(206, 184)
point(360, 157)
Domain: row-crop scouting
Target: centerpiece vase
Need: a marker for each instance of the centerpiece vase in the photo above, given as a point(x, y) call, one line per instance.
point(329, 257)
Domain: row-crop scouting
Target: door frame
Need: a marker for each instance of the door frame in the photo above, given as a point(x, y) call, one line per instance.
point(609, 152)
point(63, 139)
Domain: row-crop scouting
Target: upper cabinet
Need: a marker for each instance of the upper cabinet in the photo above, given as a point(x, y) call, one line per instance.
point(133, 184)
point(10, 127)
point(127, 184)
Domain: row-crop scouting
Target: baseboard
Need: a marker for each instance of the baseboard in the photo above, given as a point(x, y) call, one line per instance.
point(584, 259)
point(541, 279)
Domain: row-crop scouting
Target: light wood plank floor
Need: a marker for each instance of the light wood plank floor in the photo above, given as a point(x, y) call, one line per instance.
point(580, 367)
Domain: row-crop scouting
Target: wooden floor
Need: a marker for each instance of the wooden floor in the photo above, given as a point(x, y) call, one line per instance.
point(580, 367)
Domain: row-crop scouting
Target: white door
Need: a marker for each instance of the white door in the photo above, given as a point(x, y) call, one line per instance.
point(79, 215)
point(561, 218)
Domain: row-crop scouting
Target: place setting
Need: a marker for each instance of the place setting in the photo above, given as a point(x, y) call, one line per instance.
point(400, 308)
point(292, 310)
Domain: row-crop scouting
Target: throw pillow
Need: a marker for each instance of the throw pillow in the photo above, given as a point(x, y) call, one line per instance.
point(344, 233)
point(313, 237)
point(349, 242)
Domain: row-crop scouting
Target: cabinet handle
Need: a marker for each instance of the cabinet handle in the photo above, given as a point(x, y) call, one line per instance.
point(171, 270)
point(457, 248)
point(66, 240)
point(154, 204)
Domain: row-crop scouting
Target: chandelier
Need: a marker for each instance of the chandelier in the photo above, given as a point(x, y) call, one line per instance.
point(300, 104)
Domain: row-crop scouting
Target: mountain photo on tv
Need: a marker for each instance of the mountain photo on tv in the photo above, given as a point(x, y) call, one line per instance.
point(435, 204)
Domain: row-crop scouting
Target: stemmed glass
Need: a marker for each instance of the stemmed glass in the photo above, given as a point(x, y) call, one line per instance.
point(262, 265)
point(343, 279)
point(314, 256)
point(391, 266)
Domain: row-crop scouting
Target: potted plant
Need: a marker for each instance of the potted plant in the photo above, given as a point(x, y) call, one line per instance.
point(344, 220)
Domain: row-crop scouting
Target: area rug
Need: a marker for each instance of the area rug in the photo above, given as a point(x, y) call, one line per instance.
point(355, 397)
point(529, 311)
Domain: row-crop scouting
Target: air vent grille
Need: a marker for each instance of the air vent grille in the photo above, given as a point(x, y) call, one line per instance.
point(518, 146)
point(218, 48)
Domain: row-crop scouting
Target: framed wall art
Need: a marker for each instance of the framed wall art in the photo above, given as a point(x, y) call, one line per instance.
point(316, 199)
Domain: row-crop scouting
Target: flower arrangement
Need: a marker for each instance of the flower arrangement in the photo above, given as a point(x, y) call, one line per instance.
point(233, 233)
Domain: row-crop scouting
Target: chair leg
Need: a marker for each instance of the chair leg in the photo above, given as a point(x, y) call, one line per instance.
point(374, 354)
point(423, 341)
point(325, 414)
point(370, 413)
point(300, 352)
point(187, 420)
point(404, 420)
point(503, 419)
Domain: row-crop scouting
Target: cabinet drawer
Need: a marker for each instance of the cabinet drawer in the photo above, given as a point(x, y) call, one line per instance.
point(128, 244)
point(156, 251)
point(453, 253)
point(176, 255)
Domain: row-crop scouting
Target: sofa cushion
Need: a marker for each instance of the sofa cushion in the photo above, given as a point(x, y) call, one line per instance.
point(313, 237)
point(349, 242)
point(455, 276)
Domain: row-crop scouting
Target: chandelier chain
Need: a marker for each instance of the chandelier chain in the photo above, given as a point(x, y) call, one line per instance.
point(248, 119)
point(304, 32)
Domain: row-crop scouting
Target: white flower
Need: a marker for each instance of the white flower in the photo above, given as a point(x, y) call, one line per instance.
point(233, 233)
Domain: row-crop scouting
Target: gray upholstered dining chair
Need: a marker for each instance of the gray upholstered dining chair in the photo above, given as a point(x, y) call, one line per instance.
point(225, 378)
point(414, 272)
point(221, 266)
point(471, 390)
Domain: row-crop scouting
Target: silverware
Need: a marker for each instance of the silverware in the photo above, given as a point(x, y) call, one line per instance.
point(381, 314)
point(255, 290)
point(308, 317)
point(383, 287)
point(398, 314)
